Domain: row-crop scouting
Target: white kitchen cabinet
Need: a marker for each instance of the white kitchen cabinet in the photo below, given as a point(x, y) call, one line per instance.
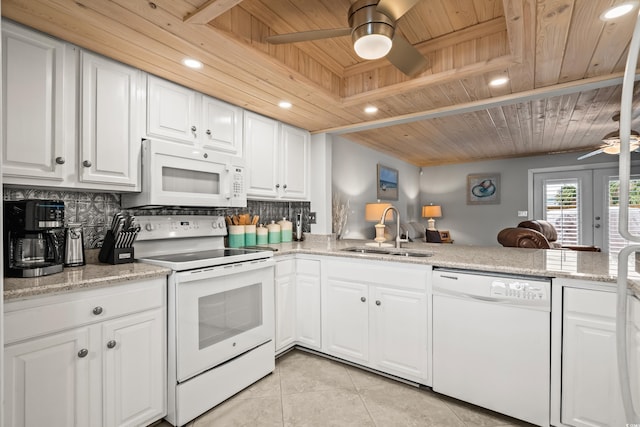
point(72, 118)
point(285, 303)
point(376, 315)
point(110, 121)
point(278, 159)
point(308, 325)
point(590, 387)
point(184, 115)
point(36, 103)
point(88, 358)
point(297, 287)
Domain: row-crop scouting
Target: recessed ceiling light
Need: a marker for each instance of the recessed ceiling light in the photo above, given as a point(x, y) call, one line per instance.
point(498, 81)
point(192, 63)
point(371, 109)
point(618, 10)
point(284, 104)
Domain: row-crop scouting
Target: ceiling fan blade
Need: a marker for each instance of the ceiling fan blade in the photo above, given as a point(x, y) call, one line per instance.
point(406, 58)
point(305, 36)
point(395, 8)
point(593, 153)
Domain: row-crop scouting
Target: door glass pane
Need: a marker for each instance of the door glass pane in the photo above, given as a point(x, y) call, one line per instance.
point(227, 314)
point(616, 242)
point(561, 208)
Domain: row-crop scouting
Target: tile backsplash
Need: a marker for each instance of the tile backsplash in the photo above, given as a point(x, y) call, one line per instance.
point(95, 210)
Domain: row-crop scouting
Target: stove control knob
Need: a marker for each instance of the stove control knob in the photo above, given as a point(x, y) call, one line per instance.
point(148, 227)
point(214, 225)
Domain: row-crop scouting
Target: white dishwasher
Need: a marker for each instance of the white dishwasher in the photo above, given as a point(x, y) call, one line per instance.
point(491, 342)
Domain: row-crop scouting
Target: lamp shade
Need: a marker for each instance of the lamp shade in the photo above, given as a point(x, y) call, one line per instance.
point(373, 212)
point(431, 211)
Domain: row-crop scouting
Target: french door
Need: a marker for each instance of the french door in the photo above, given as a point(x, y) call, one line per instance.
point(583, 205)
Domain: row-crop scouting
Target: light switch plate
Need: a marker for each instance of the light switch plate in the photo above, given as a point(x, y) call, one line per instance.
point(523, 214)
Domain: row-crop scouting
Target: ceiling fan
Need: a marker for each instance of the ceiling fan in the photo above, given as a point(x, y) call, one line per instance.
point(611, 141)
point(372, 26)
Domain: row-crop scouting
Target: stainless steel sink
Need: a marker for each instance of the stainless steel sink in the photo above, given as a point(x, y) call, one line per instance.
point(391, 251)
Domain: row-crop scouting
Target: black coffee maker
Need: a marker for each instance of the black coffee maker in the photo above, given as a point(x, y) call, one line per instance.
point(32, 245)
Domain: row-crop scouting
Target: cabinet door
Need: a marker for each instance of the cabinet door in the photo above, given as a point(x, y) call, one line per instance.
point(110, 114)
point(221, 126)
point(33, 104)
point(285, 304)
point(590, 388)
point(261, 144)
point(399, 332)
point(347, 321)
point(47, 381)
point(134, 369)
point(308, 303)
point(171, 110)
point(295, 162)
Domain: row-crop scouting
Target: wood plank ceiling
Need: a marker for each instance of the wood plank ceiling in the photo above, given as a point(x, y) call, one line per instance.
point(564, 64)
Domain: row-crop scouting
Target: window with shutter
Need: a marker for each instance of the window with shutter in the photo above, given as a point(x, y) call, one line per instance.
point(562, 208)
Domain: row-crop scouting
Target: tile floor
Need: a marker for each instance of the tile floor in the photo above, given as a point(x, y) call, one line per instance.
point(308, 390)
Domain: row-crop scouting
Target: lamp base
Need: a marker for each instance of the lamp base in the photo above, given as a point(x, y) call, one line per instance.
point(431, 224)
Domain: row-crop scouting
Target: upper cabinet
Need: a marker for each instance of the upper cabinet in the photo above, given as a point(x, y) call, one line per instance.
point(278, 159)
point(110, 121)
point(64, 129)
point(186, 116)
point(34, 68)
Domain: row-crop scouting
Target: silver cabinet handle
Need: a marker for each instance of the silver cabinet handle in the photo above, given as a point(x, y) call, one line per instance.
point(208, 132)
point(378, 302)
point(60, 160)
point(86, 164)
point(83, 353)
point(97, 310)
point(363, 299)
point(111, 343)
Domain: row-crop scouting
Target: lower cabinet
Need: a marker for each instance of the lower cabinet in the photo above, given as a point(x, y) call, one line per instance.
point(590, 387)
point(297, 287)
point(375, 314)
point(90, 358)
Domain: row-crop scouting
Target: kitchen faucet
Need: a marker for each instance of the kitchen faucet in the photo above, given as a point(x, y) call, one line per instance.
point(398, 239)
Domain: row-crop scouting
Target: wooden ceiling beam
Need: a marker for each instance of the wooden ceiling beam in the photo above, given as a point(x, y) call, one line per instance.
point(210, 11)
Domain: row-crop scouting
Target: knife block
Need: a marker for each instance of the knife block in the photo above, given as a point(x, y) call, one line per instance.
point(112, 255)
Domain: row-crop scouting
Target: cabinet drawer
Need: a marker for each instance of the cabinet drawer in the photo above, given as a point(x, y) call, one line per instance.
point(40, 316)
point(285, 267)
point(376, 272)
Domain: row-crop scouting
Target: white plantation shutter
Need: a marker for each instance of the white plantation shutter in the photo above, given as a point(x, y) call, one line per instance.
point(616, 242)
point(562, 208)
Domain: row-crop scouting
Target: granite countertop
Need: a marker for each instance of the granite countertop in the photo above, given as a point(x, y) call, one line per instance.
point(92, 275)
point(592, 266)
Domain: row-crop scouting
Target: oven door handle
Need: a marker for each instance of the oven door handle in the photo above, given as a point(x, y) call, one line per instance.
point(223, 270)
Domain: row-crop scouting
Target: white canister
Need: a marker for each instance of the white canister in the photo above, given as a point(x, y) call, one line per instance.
point(262, 235)
point(274, 232)
point(286, 230)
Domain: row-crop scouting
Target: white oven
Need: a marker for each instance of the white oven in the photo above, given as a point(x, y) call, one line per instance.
point(175, 174)
point(220, 309)
point(222, 312)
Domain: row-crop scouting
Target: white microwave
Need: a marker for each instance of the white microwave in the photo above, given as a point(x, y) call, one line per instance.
point(174, 174)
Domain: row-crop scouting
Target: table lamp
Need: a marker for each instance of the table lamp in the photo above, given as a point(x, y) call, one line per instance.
point(431, 211)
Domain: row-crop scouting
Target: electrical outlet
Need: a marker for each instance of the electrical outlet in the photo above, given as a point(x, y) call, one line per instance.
point(312, 217)
point(523, 214)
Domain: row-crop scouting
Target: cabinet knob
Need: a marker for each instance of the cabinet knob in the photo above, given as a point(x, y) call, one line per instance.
point(60, 160)
point(597, 226)
point(363, 299)
point(83, 353)
point(193, 129)
point(277, 185)
point(111, 343)
point(208, 132)
point(86, 164)
point(284, 186)
point(378, 302)
point(97, 310)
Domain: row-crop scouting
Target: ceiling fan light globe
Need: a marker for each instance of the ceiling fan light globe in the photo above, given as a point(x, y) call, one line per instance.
point(372, 46)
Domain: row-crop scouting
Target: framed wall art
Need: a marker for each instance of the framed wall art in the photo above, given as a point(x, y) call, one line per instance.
point(387, 183)
point(483, 189)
